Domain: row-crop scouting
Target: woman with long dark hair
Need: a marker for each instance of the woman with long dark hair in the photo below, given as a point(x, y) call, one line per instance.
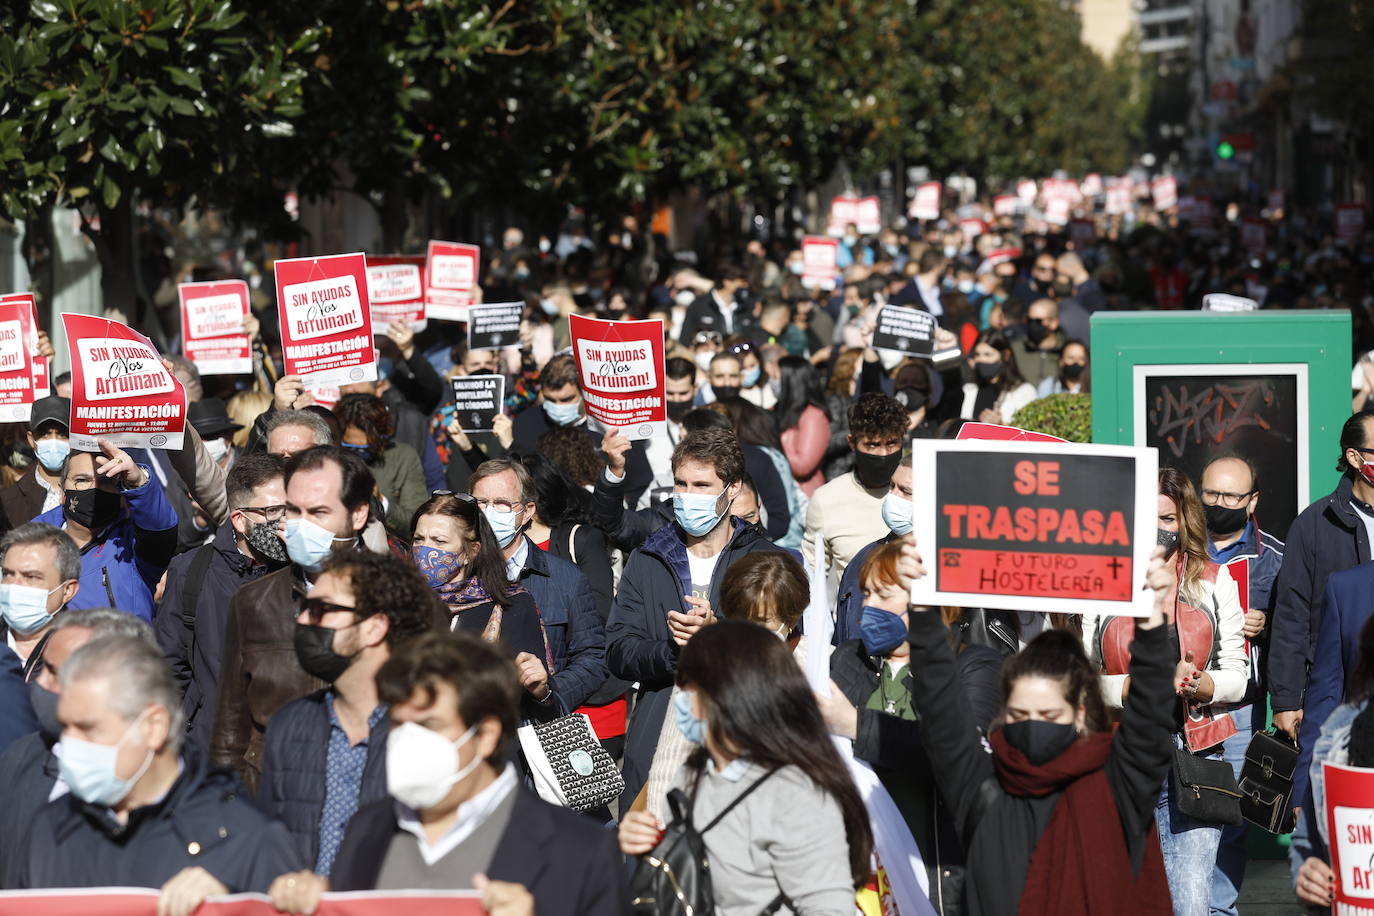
point(800, 839)
point(997, 390)
point(801, 422)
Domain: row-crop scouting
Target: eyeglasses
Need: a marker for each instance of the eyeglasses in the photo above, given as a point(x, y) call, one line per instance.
point(271, 513)
point(1229, 500)
point(314, 609)
point(466, 503)
point(500, 505)
point(706, 337)
point(741, 348)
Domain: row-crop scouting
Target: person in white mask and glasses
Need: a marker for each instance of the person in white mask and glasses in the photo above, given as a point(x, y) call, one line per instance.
point(40, 572)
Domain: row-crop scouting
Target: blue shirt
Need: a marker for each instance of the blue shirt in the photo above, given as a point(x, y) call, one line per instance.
point(1228, 553)
point(343, 776)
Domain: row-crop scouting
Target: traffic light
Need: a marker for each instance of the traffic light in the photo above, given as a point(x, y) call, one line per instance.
point(1225, 150)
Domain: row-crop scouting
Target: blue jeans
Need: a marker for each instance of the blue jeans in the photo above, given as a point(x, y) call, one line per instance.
point(1190, 855)
point(1231, 855)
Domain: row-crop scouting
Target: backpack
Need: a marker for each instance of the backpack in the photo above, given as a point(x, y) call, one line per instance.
point(674, 878)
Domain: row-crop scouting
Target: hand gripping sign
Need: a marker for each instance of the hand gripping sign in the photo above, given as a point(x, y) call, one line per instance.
point(1035, 527)
point(212, 327)
point(326, 319)
point(620, 367)
point(121, 392)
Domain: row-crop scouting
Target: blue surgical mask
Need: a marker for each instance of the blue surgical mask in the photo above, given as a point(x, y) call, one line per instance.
point(52, 453)
point(362, 451)
point(882, 631)
point(897, 514)
point(696, 512)
point(562, 414)
point(692, 728)
point(965, 286)
point(307, 544)
point(439, 567)
point(88, 769)
point(549, 306)
point(751, 378)
point(503, 525)
point(25, 608)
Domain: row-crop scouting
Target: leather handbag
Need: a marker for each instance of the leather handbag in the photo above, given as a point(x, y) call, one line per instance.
point(1204, 788)
point(1266, 781)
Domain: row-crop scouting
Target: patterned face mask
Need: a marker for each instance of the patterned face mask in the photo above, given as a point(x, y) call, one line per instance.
point(439, 567)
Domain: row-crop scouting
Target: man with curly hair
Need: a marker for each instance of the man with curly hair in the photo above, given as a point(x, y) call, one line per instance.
point(325, 754)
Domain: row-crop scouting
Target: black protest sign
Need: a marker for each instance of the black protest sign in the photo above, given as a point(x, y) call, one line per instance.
point(477, 399)
point(495, 326)
point(904, 330)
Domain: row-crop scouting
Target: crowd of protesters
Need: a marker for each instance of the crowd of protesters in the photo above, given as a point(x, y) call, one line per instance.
point(293, 656)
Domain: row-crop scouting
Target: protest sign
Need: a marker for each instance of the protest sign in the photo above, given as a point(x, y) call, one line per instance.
point(904, 330)
point(450, 279)
point(1349, 223)
point(326, 323)
point(1164, 191)
point(1004, 205)
point(212, 335)
point(843, 213)
point(1350, 836)
point(120, 389)
point(16, 361)
point(620, 366)
point(41, 387)
point(494, 326)
point(1057, 211)
point(1027, 191)
point(992, 432)
point(130, 901)
point(1092, 185)
point(1066, 528)
point(477, 399)
point(396, 290)
point(971, 228)
point(926, 203)
point(819, 262)
point(868, 218)
point(1118, 199)
point(42, 373)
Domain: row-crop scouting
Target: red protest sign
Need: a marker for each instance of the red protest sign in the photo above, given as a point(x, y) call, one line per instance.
point(868, 215)
point(1057, 211)
point(843, 211)
point(620, 366)
point(1350, 836)
point(1164, 190)
point(41, 388)
point(396, 289)
point(450, 279)
point(326, 323)
point(128, 901)
point(1349, 223)
point(991, 432)
point(926, 204)
point(820, 260)
point(1004, 205)
point(1027, 191)
point(212, 326)
point(120, 389)
point(16, 361)
point(1092, 185)
point(1118, 199)
point(1060, 527)
point(42, 373)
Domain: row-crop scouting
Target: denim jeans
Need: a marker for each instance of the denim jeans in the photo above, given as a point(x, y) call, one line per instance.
point(1231, 855)
point(1190, 855)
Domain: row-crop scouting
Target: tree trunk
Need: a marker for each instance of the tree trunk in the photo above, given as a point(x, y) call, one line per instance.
point(394, 218)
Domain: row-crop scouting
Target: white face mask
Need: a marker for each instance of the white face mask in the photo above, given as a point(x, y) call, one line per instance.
point(684, 297)
point(217, 448)
point(703, 360)
point(422, 765)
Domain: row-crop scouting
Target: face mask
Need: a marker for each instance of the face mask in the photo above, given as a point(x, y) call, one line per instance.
point(723, 392)
point(88, 769)
point(307, 544)
point(875, 471)
point(1367, 472)
point(703, 360)
point(882, 631)
point(897, 514)
point(988, 372)
point(685, 297)
point(262, 537)
point(850, 241)
point(544, 246)
point(696, 512)
point(1036, 330)
point(362, 451)
point(422, 765)
point(44, 703)
point(216, 449)
point(1168, 540)
point(751, 377)
point(437, 566)
point(1221, 520)
point(52, 453)
point(92, 508)
point(25, 608)
point(522, 273)
point(315, 651)
point(503, 525)
point(965, 286)
point(678, 409)
point(692, 728)
point(951, 251)
point(549, 307)
point(1073, 371)
point(795, 268)
point(562, 414)
point(1039, 741)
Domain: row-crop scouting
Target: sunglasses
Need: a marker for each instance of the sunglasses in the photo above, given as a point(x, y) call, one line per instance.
point(315, 609)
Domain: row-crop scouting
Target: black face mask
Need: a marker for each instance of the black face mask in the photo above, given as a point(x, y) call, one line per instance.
point(266, 543)
point(913, 399)
point(1041, 742)
point(875, 471)
point(1221, 520)
point(678, 409)
point(1168, 540)
point(315, 652)
point(988, 372)
point(93, 508)
point(1073, 371)
point(1036, 330)
point(725, 392)
point(44, 703)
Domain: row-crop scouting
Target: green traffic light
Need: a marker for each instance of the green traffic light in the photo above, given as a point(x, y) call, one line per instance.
point(1225, 150)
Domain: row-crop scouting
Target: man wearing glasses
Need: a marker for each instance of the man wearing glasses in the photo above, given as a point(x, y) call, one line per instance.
point(200, 583)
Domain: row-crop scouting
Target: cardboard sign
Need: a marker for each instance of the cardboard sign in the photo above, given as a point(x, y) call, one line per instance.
point(868, 215)
point(1057, 211)
point(450, 279)
point(1027, 191)
point(212, 335)
point(1225, 302)
point(477, 399)
point(120, 389)
point(396, 289)
point(1254, 235)
point(905, 330)
point(843, 213)
point(992, 432)
point(1118, 200)
point(1349, 223)
point(620, 368)
point(1350, 835)
point(495, 326)
point(1005, 205)
point(820, 262)
point(1092, 185)
point(41, 386)
point(1064, 527)
point(926, 203)
point(131, 901)
point(1164, 191)
point(16, 361)
point(326, 319)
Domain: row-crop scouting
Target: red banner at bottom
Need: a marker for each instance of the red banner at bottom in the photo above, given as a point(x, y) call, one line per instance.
point(126, 901)
point(1038, 575)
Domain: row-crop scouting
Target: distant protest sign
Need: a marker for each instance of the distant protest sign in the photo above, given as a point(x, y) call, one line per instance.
point(396, 291)
point(820, 262)
point(477, 399)
point(494, 326)
point(16, 361)
point(868, 215)
point(326, 324)
point(620, 365)
point(212, 335)
point(1164, 192)
point(41, 387)
point(904, 330)
point(1350, 836)
point(120, 389)
point(996, 433)
point(450, 279)
point(1035, 527)
point(131, 901)
point(926, 204)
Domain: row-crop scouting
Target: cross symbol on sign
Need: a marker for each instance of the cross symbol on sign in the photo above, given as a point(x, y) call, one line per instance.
point(1115, 566)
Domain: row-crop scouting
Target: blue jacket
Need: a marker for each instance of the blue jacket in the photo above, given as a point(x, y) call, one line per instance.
point(572, 625)
point(120, 567)
point(291, 788)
